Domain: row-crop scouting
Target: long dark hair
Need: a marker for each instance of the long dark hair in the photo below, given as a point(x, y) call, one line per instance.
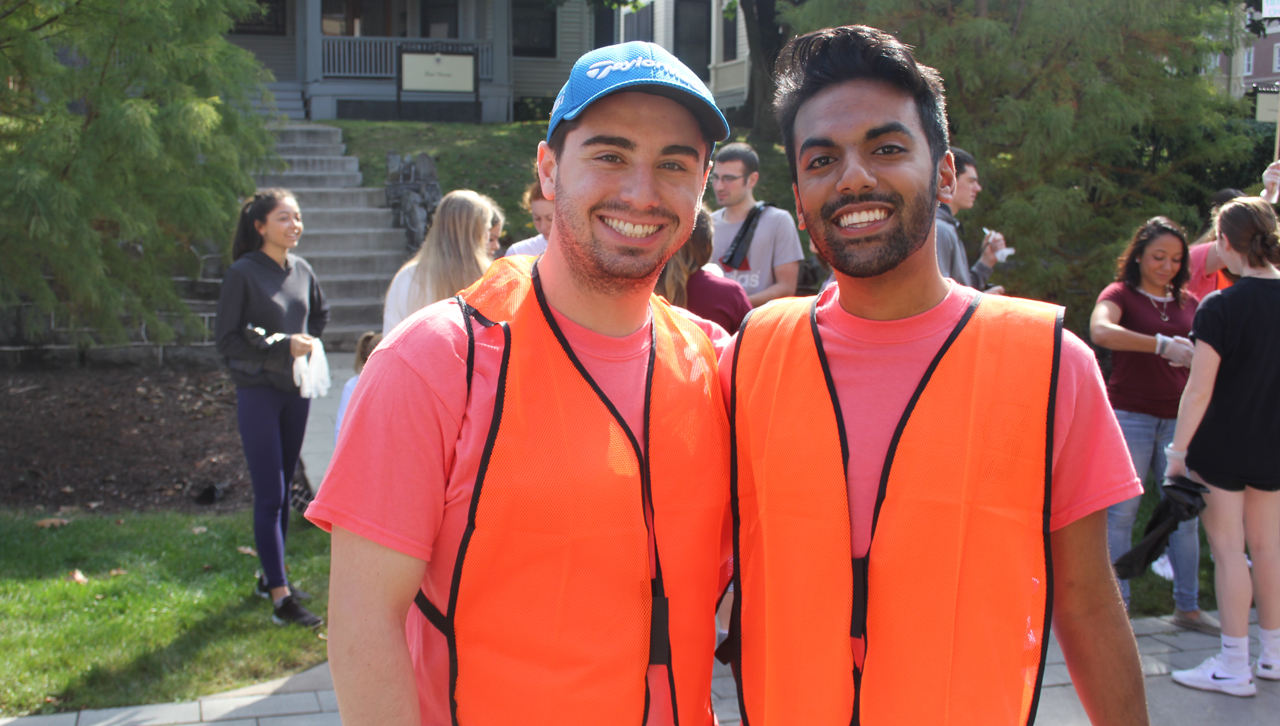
point(1249, 224)
point(255, 209)
point(1129, 264)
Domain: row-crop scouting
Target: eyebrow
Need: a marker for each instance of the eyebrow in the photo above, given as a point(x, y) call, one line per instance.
point(621, 142)
point(875, 133)
point(681, 150)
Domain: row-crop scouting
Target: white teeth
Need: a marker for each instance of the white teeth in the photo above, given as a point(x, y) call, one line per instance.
point(631, 230)
point(863, 218)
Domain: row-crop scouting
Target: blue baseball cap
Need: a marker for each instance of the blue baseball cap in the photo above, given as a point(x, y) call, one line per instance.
point(642, 67)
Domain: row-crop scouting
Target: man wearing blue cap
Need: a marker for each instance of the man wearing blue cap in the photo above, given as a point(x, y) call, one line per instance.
point(529, 499)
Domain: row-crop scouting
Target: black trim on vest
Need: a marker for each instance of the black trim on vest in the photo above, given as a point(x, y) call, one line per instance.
point(483, 469)
point(831, 387)
point(884, 485)
point(469, 313)
point(659, 632)
point(1048, 510)
point(730, 651)
point(433, 614)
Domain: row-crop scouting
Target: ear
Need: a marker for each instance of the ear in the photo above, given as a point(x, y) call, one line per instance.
point(799, 208)
point(752, 179)
point(260, 226)
point(947, 178)
point(547, 168)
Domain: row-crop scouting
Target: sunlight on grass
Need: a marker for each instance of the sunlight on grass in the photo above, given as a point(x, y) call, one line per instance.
point(180, 622)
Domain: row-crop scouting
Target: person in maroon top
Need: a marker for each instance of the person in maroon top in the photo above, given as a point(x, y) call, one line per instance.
point(1143, 318)
point(684, 282)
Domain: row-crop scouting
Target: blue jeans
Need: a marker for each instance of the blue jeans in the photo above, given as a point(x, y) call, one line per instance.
point(1146, 437)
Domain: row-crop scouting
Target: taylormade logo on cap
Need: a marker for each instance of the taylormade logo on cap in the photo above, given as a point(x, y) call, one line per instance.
point(601, 69)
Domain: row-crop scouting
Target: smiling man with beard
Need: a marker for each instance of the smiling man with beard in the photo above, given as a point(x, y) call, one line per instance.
point(535, 472)
point(921, 472)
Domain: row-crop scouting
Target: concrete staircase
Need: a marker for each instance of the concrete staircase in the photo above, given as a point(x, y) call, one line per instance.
point(288, 102)
point(348, 237)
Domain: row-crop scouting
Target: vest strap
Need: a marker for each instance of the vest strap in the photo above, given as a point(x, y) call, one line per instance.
point(433, 614)
point(468, 313)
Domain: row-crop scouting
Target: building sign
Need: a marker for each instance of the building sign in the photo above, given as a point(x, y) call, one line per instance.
point(1271, 8)
point(1268, 107)
point(438, 72)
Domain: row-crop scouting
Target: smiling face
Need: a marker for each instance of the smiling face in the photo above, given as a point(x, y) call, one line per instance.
point(626, 189)
point(967, 188)
point(542, 211)
point(282, 227)
point(1160, 261)
point(866, 186)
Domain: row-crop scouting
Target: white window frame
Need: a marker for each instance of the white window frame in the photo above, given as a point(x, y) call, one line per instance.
point(1248, 62)
point(1275, 58)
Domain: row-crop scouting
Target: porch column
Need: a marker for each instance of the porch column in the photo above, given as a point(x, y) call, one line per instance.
point(309, 44)
point(501, 39)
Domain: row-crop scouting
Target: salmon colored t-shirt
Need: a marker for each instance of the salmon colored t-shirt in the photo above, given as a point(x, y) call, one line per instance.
point(407, 457)
point(877, 366)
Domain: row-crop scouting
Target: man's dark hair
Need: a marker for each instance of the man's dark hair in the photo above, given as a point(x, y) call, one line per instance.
point(964, 159)
point(738, 151)
point(823, 58)
point(556, 142)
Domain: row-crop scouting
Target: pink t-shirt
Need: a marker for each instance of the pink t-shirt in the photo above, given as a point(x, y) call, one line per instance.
point(877, 366)
point(406, 460)
point(1200, 283)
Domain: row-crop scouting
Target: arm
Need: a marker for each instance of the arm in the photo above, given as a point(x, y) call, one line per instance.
point(371, 589)
point(784, 285)
point(1105, 331)
point(319, 317)
point(1092, 627)
point(1195, 399)
point(230, 322)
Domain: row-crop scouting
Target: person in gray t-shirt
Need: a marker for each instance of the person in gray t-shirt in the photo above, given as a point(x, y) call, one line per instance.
point(772, 264)
point(951, 254)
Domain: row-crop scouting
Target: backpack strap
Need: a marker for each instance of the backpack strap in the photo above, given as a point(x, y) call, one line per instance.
point(737, 251)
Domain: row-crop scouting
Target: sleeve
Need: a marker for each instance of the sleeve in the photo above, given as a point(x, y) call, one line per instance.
point(228, 326)
point(1092, 468)
point(1114, 293)
point(389, 471)
point(1210, 322)
point(719, 336)
point(786, 245)
point(318, 318)
point(979, 274)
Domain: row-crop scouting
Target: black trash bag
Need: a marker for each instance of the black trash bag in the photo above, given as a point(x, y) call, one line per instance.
point(212, 493)
point(1183, 499)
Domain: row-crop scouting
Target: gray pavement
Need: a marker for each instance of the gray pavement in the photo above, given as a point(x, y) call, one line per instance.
point(307, 699)
point(317, 445)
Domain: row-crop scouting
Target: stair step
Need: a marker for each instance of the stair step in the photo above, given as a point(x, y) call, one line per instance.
point(384, 239)
point(310, 180)
point(356, 262)
point(307, 134)
point(345, 337)
point(356, 311)
point(311, 149)
point(355, 286)
point(328, 164)
point(316, 199)
point(334, 219)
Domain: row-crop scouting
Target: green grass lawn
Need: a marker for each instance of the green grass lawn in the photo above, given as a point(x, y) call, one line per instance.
point(181, 622)
point(497, 159)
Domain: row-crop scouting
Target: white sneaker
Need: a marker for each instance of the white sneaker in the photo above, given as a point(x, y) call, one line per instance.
point(1268, 669)
point(1211, 676)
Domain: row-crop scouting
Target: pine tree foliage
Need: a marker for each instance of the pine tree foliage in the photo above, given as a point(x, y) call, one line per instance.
point(1087, 117)
point(126, 138)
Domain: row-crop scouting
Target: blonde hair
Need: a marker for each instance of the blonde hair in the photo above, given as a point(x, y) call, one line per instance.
point(692, 255)
point(454, 253)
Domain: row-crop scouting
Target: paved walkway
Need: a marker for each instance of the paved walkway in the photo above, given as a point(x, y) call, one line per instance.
point(317, 445)
point(307, 699)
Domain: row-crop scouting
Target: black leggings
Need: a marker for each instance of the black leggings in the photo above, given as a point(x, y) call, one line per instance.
point(272, 424)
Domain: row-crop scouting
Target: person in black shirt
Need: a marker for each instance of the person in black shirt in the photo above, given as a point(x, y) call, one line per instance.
point(1228, 437)
point(270, 311)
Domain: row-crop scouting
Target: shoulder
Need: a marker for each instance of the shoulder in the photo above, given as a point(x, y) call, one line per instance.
point(300, 264)
point(435, 332)
point(718, 215)
point(690, 322)
point(775, 215)
point(1116, 292)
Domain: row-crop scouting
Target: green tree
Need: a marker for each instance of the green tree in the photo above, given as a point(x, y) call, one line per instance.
point(127, 137)
point(1086, 117)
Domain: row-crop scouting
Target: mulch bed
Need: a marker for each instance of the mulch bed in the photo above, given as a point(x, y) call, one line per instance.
point(119, 440)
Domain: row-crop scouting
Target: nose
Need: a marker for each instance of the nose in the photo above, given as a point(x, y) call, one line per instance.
point(640, 189)
point(856, 177)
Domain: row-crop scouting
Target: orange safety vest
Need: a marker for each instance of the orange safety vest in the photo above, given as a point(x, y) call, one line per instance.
point(945, 620)
point(1221, 281)
point(553, 616)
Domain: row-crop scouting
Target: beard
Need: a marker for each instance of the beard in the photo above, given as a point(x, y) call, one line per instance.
point(877, 254)
point(604, 269)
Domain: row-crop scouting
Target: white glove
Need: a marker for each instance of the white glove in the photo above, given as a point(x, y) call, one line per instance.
point(1178, 351)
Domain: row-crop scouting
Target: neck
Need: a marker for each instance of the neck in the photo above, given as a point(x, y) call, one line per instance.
point(911, 288)
point(735, 213)
point(1152, 288)
point(615, 314)
point(1268, 272)
point(279, 254)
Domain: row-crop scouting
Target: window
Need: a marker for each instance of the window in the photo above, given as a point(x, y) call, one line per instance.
point(1248, 61)
point(271, 22)
point(605, 32)
point(533, 28)
point(638, 25)
point(1275, 58)
point(363, 18)
point(693, 35)
point(439, 19)
point(730, 37)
